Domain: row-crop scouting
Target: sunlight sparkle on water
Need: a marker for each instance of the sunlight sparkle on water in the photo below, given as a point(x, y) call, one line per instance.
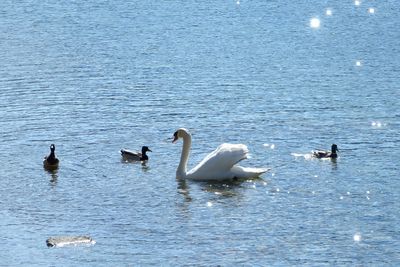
point(358, 63)
point(371, 10)
point(315, 23)
point(328, 12)
point(357, 2)
point(272, 146)
point(357, 237)
point(209, 204)
point(378, 124)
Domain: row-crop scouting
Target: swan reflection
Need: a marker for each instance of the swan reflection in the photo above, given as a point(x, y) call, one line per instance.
point(184, 189)
point(231, 188)
point(219, 190)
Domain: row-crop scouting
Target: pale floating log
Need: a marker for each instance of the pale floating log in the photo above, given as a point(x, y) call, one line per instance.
point(61, 241)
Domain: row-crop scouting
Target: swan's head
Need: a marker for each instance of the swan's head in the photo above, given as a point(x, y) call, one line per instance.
point(180, 133)
point(52, 147)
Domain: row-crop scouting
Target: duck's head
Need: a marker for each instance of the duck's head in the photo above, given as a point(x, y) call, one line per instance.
point(52, 148)
point(180, 133)
point(145, 149)
point(334, 148)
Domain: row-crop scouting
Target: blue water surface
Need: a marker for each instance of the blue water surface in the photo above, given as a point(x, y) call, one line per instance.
point(93, 77)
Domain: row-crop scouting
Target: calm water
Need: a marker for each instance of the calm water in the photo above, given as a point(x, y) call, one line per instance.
point(96, 76)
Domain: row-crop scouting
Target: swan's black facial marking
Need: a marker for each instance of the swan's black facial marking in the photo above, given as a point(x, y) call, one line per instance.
point(175, 137)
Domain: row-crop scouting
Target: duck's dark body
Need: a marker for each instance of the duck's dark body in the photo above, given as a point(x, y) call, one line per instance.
point(327, 154)
point(51, 161)
point(135, 156)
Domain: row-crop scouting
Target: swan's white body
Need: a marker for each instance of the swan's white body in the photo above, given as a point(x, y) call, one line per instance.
point(218, 165)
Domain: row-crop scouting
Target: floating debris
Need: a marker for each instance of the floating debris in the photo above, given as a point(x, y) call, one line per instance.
point(61, 241)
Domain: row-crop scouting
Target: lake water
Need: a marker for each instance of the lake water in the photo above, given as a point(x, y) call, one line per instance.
point(93, 77)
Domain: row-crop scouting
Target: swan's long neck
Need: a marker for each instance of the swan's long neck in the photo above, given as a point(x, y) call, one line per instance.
point(182, 168)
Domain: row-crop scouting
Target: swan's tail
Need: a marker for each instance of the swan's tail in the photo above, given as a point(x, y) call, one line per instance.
point(246, 172)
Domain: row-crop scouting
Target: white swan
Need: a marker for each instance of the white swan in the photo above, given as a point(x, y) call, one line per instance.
point(218, 165)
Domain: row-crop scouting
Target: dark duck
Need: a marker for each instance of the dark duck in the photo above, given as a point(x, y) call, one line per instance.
point(51, 162)
point(327, 154)
point(136, 156)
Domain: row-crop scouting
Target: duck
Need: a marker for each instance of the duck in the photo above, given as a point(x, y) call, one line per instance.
point(327, 154)
point(130, 155)
point(219, 165)
point(51, 162)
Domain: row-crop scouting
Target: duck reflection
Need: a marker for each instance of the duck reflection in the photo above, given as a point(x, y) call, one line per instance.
point(334, 164)
point(53, 176)
point(145, 167)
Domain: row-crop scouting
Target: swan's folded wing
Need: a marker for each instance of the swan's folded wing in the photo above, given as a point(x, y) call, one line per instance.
point(221, 160)
point(247, 173)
